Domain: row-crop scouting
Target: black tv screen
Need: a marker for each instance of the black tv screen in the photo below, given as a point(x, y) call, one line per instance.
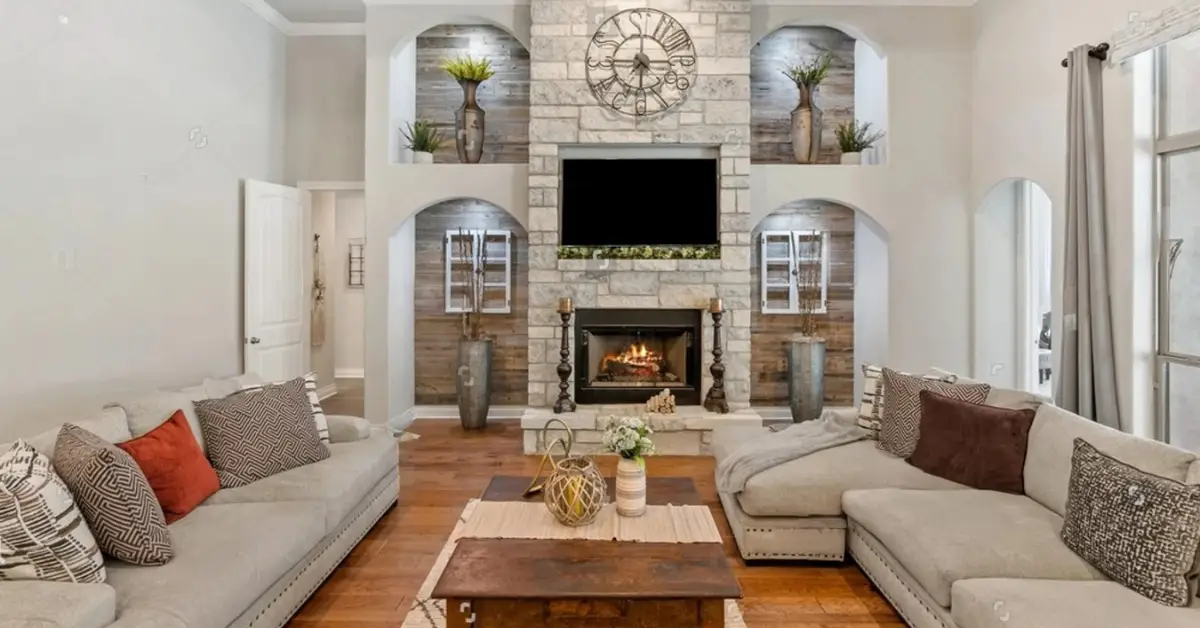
point(640, 202)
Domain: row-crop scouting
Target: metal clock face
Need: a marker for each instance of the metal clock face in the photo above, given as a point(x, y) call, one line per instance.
point(641, 62)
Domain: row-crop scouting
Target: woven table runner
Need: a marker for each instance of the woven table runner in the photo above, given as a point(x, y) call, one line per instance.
point(532, 520)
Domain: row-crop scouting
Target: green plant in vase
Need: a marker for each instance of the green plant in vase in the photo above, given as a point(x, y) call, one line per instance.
point(423, 138)
point(854, 137)
point(806, 117)
point(469, 119)
point(629, 438)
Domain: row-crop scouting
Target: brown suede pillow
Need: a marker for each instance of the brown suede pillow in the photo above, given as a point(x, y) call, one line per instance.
point(980, 446)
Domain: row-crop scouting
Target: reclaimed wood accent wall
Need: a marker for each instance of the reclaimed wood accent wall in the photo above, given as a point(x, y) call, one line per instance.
point(437, 333)
point(768, 362)
point(504, 97)
point(773, 96)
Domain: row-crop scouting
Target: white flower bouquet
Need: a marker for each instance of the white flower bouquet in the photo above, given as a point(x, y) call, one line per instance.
point(628, 437)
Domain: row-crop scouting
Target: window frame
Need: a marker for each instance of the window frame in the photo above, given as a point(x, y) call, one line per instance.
point(793, 237)
point(478, 238)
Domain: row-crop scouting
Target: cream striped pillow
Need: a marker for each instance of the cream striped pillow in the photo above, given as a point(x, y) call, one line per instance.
point(310, 390)
point(43, 535)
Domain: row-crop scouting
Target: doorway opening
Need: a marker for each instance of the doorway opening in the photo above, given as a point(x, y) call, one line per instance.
point(338, 305)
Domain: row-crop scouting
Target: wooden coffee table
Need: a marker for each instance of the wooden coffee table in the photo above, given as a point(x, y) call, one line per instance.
point(544, 583)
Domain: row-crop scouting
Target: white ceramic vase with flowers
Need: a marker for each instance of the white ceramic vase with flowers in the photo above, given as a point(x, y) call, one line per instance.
point(629, 438)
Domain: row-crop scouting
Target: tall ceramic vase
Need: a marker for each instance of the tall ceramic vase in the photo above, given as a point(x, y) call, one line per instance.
point(473, 382)
point(806, 378)
point(468, 125)
point(806, 127)
point(631, 488)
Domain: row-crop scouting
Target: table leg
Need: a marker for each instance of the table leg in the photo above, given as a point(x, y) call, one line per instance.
point(712, 613)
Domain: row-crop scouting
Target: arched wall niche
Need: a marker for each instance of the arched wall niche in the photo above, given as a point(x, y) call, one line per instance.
point(856, 322)
point(421, 336)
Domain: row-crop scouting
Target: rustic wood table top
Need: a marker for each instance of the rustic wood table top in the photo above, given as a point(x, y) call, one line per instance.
point(550, 569)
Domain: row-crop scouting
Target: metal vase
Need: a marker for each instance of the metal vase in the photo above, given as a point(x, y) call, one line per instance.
point(807, 121)
point(473, 383)
point(468, 125)
point(806, 378)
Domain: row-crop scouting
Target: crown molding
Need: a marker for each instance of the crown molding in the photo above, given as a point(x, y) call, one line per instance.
point(328, 29)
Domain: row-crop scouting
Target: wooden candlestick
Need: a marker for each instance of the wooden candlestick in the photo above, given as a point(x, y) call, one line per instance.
point(564, 402)
point(715, 401)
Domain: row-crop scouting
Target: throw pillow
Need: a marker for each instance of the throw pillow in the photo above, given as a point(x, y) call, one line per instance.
point(314, 400)
point(980, 446)
point(115, 497)
point(901, 425)
point(43, 536)
point(1140, 529)
point(870, 410)
point(256, 434)
point(175, 466)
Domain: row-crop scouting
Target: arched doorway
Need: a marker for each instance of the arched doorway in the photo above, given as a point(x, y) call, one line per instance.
point(1013, 342)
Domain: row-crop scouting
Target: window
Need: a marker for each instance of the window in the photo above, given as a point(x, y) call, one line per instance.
point(1178, 148)
point(794, 269)
point(478, 270)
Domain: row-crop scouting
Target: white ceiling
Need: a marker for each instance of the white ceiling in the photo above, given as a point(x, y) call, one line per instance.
point(320, 10)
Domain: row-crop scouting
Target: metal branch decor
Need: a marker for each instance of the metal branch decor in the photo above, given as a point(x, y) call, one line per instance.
point(473, 381)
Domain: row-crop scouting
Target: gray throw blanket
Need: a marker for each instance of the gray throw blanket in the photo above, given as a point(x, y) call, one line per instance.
point(775, 448)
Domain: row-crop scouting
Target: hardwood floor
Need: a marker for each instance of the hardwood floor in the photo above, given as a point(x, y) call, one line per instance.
point(376, 583)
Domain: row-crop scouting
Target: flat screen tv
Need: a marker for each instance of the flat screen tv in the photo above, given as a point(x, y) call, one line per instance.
point(640, 202)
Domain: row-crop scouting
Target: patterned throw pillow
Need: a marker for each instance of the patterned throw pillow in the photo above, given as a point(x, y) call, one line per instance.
point(256, 434)
point(870, 411)
point(43, 536)
point(115, 497)
point(1140, 529)
point(310, 390)
point(901, 425)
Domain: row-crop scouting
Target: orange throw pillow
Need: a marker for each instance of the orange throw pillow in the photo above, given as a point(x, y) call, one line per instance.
point(172, 460)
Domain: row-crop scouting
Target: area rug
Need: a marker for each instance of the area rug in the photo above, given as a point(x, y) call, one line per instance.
point(663, 524)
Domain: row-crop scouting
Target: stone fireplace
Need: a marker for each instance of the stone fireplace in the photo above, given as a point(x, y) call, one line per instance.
point(566, 121)
point(628, 356)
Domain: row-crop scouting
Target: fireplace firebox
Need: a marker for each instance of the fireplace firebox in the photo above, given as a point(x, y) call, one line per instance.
point(628, 356)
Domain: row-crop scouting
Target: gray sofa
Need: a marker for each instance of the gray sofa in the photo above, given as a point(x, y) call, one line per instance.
point(945, 555)
point(246, 557)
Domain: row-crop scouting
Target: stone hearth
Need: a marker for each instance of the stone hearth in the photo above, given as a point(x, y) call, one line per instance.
point(686, 433)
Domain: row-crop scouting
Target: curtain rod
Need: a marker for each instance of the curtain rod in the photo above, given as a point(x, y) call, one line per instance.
point(1097, 52)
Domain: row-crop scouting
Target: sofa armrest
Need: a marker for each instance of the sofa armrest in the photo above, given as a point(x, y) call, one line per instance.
point(34, 604)
point(347, 429)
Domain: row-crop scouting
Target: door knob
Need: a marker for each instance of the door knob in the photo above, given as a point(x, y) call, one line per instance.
point(254, 340)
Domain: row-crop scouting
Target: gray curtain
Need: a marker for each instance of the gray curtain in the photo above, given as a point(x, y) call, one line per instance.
point(1087, 383)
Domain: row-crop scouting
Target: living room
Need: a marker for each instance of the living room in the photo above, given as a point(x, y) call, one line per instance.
point(152, 144)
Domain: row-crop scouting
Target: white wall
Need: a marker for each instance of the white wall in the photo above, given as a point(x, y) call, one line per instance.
point(125, 133)
point(1019, 130)
point(401, 324)
point(349, 336)
point(871, 295)
point(995, 282)
point(326, 92)
point(402, 101)
point(870, 96)
point(324, 206)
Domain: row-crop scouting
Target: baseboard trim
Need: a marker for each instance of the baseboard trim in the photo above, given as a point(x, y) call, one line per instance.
point(348, 373)
point(326, 391)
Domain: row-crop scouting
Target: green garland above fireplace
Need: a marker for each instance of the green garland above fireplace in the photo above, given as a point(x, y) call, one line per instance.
point(640, 252)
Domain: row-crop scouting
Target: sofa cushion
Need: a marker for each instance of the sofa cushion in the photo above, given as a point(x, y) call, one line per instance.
point(148, 411)
point(1008, 603)
point(109, 424)
point(1052, 442)
point(941, 537)
point(813, 485)
point(340, 481)
point(56, 604)
point(225, 557)
point(225, 386)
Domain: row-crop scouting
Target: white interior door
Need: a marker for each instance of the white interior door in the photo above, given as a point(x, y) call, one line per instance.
point(278, 266)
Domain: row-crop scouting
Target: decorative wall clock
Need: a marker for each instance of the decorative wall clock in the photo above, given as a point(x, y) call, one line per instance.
point(641, 62)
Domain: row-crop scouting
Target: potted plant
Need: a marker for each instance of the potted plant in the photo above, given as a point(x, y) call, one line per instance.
point(423, 139)
point(806, 117)
point(853, 138)
point(629, 437)
point(806, 351)
point(473, 375)
point(468, 120)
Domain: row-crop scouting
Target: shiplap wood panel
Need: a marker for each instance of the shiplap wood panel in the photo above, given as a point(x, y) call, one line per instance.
point(504, 97)
point(772, 332)
point(437, 333)
point(773, 96)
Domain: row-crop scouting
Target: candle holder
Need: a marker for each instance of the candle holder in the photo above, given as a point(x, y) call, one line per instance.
point(564, 403)
point(715, 400)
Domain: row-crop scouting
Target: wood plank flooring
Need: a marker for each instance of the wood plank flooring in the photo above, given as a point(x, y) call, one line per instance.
point(376, 583)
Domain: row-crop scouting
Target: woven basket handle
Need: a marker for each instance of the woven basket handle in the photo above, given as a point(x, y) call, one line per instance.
point(534, 486)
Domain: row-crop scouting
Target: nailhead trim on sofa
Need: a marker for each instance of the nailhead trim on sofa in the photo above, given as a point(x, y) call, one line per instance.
point(854, 531)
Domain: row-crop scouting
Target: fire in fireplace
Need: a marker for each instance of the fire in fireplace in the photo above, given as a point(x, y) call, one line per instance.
point(628, 356)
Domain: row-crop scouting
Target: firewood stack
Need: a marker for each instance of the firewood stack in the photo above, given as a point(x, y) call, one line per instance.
point(662, 403)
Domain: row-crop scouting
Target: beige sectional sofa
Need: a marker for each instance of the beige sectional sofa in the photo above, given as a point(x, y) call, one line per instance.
point(945, 555)
point(248, 556)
